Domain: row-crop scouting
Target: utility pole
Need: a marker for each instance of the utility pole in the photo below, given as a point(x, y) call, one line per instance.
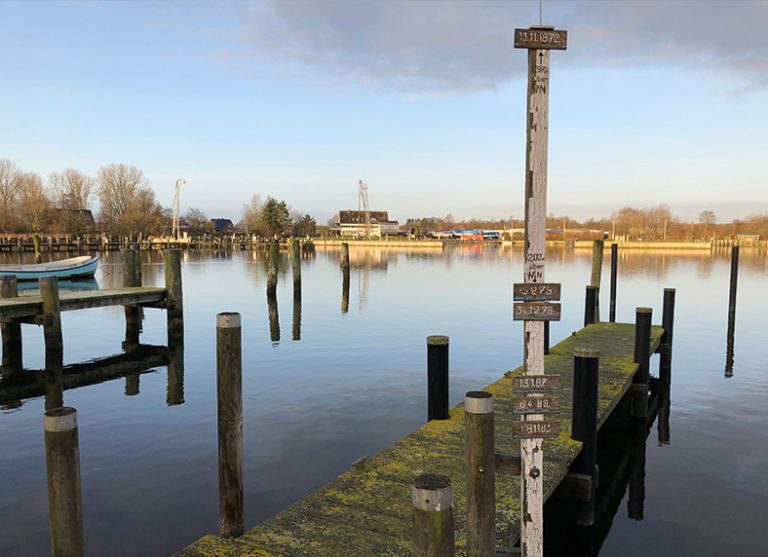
point(175, 209)
point(535, 294)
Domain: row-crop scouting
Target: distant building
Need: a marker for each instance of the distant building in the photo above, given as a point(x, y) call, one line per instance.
point(352, 223)
point(74, 221)
point(223, 225)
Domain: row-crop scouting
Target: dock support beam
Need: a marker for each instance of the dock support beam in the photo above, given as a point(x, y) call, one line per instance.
point(62, 459)
point(437, 378)
point(175, 306)
point(433, 525)
point(480, 456)
point(614, 278)
point(229, 384)
point(12, 354)
point(585, 393)
point(642, 379)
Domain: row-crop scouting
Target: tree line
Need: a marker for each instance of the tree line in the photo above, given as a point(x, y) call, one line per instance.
point(127, 205)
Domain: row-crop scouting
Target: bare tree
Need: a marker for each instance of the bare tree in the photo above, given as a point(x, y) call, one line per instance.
point(128, 205)
point(251, 214)
point(71, 188)
point(34, 204)
point(198, 221)
point(9, 191)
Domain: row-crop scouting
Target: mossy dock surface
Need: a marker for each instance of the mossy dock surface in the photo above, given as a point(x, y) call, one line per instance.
point(367, 510)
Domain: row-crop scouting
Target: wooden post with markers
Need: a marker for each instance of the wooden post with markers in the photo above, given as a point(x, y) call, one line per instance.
point(538, 40)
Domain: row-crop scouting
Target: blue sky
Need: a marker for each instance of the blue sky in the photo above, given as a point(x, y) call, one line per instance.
point(653, 102)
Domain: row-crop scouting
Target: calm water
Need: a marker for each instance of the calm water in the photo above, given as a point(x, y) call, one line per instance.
point(355, 382)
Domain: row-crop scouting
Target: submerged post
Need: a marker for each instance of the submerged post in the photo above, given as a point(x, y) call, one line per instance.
point(590, 305)
point(614, 268)
point(11, 332)
point(642, 379)
point(229, 381)
point(62, 459)
point(480, 457)
point(668, 322)
point(585, 393)
point(433, 526)
point(437, 378)
point(175, 301)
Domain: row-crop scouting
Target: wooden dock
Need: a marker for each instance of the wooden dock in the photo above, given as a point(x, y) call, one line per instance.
point(367, 510)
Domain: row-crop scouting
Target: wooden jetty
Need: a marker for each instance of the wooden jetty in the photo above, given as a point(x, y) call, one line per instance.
point(368, 511)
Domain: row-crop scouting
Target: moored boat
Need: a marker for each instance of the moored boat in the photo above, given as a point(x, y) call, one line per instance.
point(74, 267)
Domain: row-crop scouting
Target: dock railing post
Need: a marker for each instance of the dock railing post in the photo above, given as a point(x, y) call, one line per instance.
point(433, 525)
point(614, 278)
point(175, 299)
point(642, 379)
point(480, 456)
point(668, 322)
point(132, 316)
point(62, 459)
point(437, 378)
point(11, 332)
point(590, 305)
point(229, 382)
point(586, 365)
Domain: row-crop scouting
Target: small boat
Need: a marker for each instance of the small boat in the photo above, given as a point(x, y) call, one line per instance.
point(74, 267)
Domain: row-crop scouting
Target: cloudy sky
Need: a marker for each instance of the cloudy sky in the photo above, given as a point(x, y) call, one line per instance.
point(653, 102)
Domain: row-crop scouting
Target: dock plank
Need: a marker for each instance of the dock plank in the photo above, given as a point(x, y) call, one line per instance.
point(367, 510)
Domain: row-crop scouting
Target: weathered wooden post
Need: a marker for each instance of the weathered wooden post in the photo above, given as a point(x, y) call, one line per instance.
point(597, 272)
point(132, 316)
point(11, 332)
point(614, 278)
point(62, 459)
point(642, 379)
point(345, 256)
point(480, 468)
point(296, 324)
point(175, 300)
point(344, 277)
point(732, 311)
point(49, 292)
point(229, 383)
point(590, 305)
point(584, 429)
point(433, 525)
point(274, 319)
point(272, 263)
point(539, 40)
point(668, 322)
point(296, 267)
point(437, 378)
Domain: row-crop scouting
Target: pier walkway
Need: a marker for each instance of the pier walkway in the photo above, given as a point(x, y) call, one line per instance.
point(367, 510)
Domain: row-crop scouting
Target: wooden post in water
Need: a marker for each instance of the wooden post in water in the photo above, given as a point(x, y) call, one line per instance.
point(590, 305)
point(272, 271)
point(437, 378)
point(132, 315)
point(229, 382)
point(538, 40)
point(62, 459)
point(344, 277)
point(296, 267)
point(597, 272)
point(732, 310)
point(54, 345)
point(614, 278)
point(480, 457)
point(175, 301)
point(668, 322)
point(12, 355)
point(433, 525)
point(584, 428)
point(642, 379)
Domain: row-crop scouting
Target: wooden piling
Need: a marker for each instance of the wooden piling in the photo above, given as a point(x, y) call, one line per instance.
point(584, 428)
point(229, 381)
point(296, 268)
point(480, 468)
point(132, 315)
point(733, 287)
point(62, 459)
point(274, 319)
point(641, 381)
point(437, 378)
point(433, 524)
point(345, 256)
point(597, 271)
point(175, 301)
point(614, 278)
point(546, 337)
point(590, 305)
point(272, 263)
point(49, 292)
point(11, 332)
point(668, 322)
point(344, 277)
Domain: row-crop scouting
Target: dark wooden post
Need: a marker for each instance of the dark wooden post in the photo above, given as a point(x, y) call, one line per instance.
point(480, 455)
point(132, 315)
point(546, 337)
point(62, 459)
point(668, 322)
point(12, 355)
point(433, 526)
point(614, 277)
point(296, 267)
point(590, 305)
point(732, 311)
point(175, 305)
point(344, 277)
point(36, 246)
point(175, 389)
point(229, 381)
point(345, 256)
point(272, 262)
point(274, 319)
point(49, 292)
point(597, 271)
point(642, 379)
point(585, 393)
point(437, 378)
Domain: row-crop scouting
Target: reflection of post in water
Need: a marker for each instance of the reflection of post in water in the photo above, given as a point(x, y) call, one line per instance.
point(132, 384)
point(663, 391)
point(12, 360)
point(732, 311)
point(54, 345)
point(344, 277)
point(636, 499)
point(175, 393)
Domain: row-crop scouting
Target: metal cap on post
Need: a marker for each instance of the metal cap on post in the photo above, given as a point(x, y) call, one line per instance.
point(433, 525)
